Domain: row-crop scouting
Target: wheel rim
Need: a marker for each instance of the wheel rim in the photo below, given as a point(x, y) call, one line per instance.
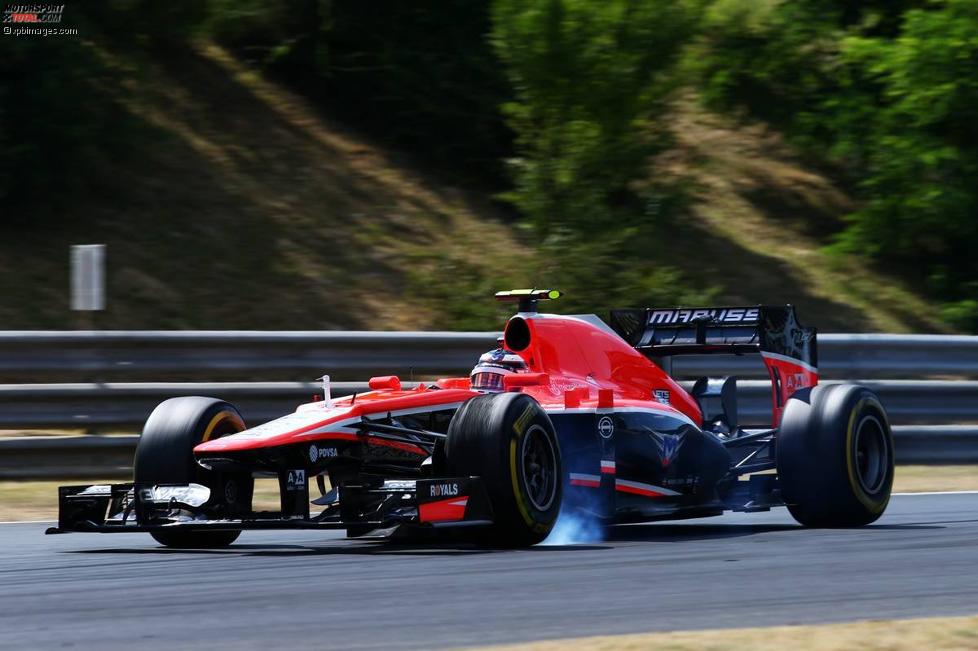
point(538, 466)
point(872, 454)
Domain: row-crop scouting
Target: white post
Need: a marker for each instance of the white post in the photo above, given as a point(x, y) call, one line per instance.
point(327, 398)
point(88, 278)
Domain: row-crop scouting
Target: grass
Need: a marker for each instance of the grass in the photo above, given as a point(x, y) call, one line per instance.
point(38, 500)
point(924, 479)
point(246, 208)
point(241, 205)
point(758, 220)
point(935, 634)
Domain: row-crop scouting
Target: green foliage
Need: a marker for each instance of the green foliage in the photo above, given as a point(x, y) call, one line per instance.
point(61, 118)
point(589, 79)
point(418, 75)
point(568, 97)
point(143, 23)
point(923, 151)
point(58, 121)
point(962, 314)
point(885, 92)
point(921, 198)
point(612, 270)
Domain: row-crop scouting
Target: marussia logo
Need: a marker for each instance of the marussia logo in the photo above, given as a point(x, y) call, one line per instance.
point(717, 315)
point(669, 446)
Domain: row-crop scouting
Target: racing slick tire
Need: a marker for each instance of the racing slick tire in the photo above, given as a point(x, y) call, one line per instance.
point(164, 455)
point(507, 439)
point(835, 456)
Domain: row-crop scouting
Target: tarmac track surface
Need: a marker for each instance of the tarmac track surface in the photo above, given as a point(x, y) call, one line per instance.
point(316, 590)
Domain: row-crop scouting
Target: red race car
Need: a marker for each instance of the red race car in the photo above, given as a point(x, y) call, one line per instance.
point(568, 414)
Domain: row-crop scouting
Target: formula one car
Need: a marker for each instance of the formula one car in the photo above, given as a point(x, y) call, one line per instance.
point(569, 413)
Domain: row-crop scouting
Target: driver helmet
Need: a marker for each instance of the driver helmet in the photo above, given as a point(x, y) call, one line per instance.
point(493, 366)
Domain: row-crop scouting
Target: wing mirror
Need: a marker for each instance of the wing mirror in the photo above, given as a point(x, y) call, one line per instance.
point(518, 380)
point(391, 382)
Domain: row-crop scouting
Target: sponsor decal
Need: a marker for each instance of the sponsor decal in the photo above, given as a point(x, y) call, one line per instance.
point(443, 490)
point(296, 480)
point(662, 395)
point(606, 427)
point(559, 385)
point(99, 489)
point(523, 420)
point(668, 445)
point(645, 490)
point(689, 481)
point(316, 453)
point(443, 510)
point(794, 381)
point(583, 479)
point(717, 315)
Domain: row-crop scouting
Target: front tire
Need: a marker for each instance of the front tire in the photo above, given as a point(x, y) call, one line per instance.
point(164, 455)
point(507, 439)
point(835, 456)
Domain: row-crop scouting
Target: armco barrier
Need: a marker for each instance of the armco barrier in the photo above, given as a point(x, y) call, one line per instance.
point(843, 356)
point(125, 406)
point(935, 414)
point(80, 356)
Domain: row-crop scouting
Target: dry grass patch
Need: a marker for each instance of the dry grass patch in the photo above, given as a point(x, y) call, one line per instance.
point(936, 634)
point(924, 479)
point(760, 217)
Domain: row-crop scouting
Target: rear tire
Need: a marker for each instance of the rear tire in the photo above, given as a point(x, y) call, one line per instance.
point(507, 439)
point(835, 456)
point(164, 455)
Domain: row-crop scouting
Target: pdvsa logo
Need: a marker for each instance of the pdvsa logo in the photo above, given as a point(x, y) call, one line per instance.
point(317, 453)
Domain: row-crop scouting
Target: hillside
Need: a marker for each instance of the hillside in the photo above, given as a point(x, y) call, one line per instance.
point(758, 221)
point(247, 208)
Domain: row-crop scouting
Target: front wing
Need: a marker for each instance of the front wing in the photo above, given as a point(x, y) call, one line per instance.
point(380, 508)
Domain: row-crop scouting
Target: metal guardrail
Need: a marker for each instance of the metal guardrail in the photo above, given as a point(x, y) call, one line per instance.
point(843, 356)
point(125, 406)
point(80, 356)
point(931, 416)
point(72, 457)
point(927, 417)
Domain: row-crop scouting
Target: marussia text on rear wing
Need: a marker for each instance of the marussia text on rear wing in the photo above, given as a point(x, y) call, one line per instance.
point(789, 349)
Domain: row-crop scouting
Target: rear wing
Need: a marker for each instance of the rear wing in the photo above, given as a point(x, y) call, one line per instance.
point(790, 350)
